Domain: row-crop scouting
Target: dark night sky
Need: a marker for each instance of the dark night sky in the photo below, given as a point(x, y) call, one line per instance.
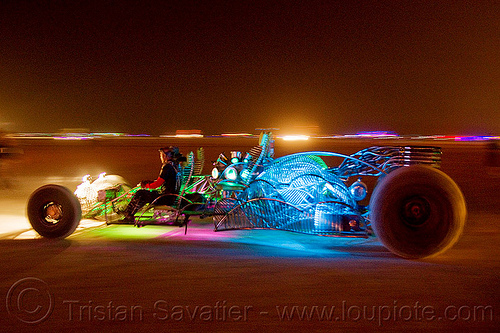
point(426, 67)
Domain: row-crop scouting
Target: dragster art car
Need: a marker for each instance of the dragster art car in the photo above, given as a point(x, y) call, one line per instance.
point(415, 209)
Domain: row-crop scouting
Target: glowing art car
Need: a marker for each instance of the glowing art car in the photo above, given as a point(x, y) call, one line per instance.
point(415, 209)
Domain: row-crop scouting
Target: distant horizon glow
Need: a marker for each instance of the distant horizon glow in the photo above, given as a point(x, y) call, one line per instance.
point(92, 136)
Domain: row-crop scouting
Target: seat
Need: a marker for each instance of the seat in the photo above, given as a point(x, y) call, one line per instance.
point(183, 208)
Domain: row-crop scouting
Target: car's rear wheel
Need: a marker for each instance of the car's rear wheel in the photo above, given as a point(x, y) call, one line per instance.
point(53, 211)
point(417, 211)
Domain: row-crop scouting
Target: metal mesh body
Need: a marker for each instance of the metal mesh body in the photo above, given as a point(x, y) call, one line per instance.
point(263, 213)
point(301, 180)
point(296, 193)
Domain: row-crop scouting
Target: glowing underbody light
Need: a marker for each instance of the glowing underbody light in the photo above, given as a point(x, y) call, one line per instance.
point(295, 137)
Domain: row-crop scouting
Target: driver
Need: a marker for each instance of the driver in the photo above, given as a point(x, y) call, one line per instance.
point(167, 183)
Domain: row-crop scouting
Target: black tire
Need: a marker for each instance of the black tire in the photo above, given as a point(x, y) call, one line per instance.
point(58, 201)
point(417, 212)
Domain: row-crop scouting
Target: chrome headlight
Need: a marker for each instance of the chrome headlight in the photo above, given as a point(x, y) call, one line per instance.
point(358, 190)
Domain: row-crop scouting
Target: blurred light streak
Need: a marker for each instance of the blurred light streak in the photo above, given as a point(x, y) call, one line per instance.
point(295, 137)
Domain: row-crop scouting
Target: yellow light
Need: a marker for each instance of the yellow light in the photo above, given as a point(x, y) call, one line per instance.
point(236, 134)
point(295, 137)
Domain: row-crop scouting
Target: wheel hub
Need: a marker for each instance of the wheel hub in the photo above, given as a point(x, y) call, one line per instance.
point(52, 213)
point(415, 211)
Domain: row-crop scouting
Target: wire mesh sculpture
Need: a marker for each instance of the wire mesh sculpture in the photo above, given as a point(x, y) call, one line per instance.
point(296, 193)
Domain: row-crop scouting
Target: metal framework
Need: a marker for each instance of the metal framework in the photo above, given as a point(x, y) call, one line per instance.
point(300, 193)
point(297, 192)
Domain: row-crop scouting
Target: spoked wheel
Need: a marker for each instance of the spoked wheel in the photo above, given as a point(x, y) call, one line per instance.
point(417, 211)
point(53, 211)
